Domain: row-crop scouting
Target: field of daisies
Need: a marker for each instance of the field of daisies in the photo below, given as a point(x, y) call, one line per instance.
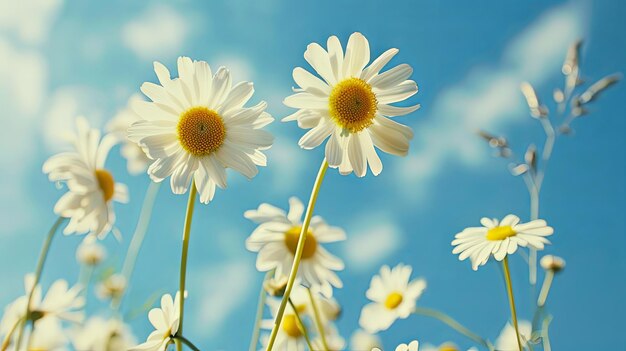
point(169, 227)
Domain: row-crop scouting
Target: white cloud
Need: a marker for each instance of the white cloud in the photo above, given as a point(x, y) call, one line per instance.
point(373, 238)
point(224, 287)
point(488, 98)
point(30, 20)
point(157, 32)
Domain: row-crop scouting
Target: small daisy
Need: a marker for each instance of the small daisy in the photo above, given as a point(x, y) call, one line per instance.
point(92, 188)
point(499, 239)
point(90, 252)
point(412, 346)
point(136, 159)
point(196, 126)
point(290, 336)
point(276, 239)
point(507, 340)
point(351, 104)
point(111, 287)
point(393, 296)
point(60, 303)
point(165, 321)
point(362, 340)
point(100, 334)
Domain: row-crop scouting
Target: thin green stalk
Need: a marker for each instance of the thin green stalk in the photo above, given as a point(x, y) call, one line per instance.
point(318, 320)
point(138, 237)
point(256, 331)
point(452, 323)
point(301, 325)
point(509, 289)
point(38, 271)
point(545, 288)
point(179, 338)
point(183, 259)
point(298, 254)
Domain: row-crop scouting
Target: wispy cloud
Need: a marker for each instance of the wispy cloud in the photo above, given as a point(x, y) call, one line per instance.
point(488, 98)
point(158, 32)
point(373, 237)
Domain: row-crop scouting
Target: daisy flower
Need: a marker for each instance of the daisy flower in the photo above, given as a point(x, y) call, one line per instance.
point(100, 334)
point(362, 340)
point(412, 346)
point(60, 303)
point(393, 296)
point(328, 308)
point(351, 104)
point(507, 340)
point(196, 126)
point(499, 238)
point(276, 239)
point(91, 188)
point(333, 339)
point(112, 287)
point(47, 335)
point(290, 336)
point(90, 252)
point(136, 159)
point(165, 321)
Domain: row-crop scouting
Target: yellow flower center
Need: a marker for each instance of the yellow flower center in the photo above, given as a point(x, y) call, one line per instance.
point(448, 348)
point(106, 183)
point(353, 104)
point(291, 240)
point(201, 131)
point(500, 233)
point(393, 300)
point(290, 326)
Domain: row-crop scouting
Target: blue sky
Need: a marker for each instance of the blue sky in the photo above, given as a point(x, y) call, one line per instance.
point(62, 59)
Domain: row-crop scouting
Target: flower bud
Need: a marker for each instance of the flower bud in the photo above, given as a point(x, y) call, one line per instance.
point(552, 263)
point(90, 252)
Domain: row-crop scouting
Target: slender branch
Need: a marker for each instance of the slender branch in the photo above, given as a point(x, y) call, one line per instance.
point(183, 259)
point(301, 325)
point(452, 323)
point(509, 289)
point(256, 331)
point(298, 254)
point(318, 320)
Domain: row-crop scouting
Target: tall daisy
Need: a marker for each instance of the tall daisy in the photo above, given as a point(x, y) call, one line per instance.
point(351, 104)
point(136, 159)
point(393, 297)
point(165, 321)
point(196, 126)
point(276, 239)
point(91, 187)
point(499, 238)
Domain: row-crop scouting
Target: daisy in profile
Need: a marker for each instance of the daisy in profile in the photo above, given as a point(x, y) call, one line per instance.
point(276, 239)
point(362, 340)
point(91, 188)
point(412, 346)
point(90, 252)
point(165, 321)
point(507, 340)
point(351, 103)
point(499, 238)
point(60, 303)
point(100, 334)
point(393, 296)
point(196, 126)
point(136, 159)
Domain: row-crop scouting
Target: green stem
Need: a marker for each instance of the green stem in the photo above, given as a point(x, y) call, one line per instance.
point(452, 323)
point(545, 288)
point(179, 338)
point(183, 259)
point(318, 320)
point(301, 325)
point(138, 237)
point(38, 271)
point(509, 289)
point(298, 254)
point(256, 331)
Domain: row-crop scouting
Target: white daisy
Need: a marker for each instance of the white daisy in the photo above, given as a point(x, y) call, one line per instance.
point(412, 346)
point(196, 127)
point(112, 287)
point(351, 104)
point(136, 159)
point(290, 336)
point(276, 239)
point(393, 296)
point(507, 340)
point(90, 252)
point(92, 188)
point(165, 321)
point(100, 334)
point(48, 335)
point(552, 263)
point(499, 239)
point(60, 303)
point(327, 307)
point(362, 340)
